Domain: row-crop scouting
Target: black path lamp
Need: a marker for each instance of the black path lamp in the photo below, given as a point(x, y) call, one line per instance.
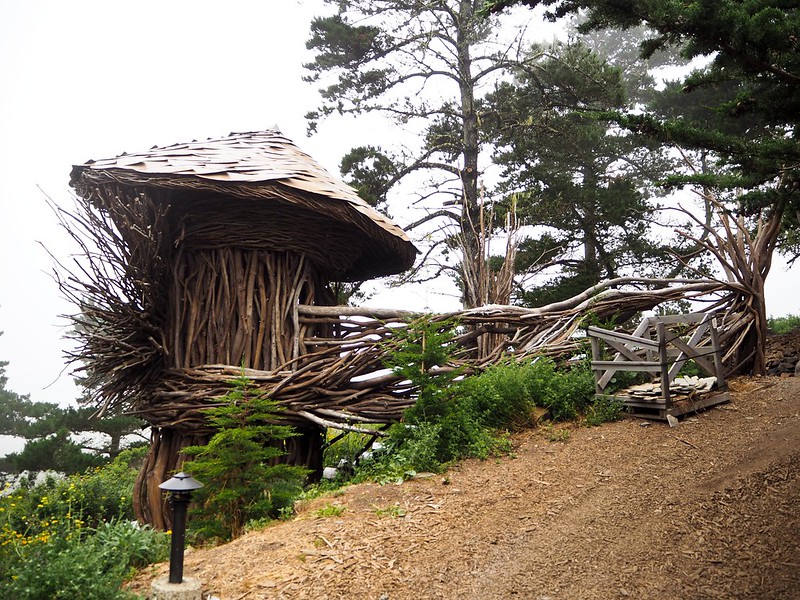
point(180, 488)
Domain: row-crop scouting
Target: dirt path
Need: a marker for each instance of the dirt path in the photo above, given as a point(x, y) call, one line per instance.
point(708, 509)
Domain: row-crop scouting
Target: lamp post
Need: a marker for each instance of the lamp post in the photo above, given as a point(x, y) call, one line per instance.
point(180, 488)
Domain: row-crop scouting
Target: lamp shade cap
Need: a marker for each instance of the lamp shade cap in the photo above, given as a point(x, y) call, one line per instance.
point(181, 482)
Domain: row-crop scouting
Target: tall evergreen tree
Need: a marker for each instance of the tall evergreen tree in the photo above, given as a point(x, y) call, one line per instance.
point(573, 175)
point(425, 65)
point(753, 65)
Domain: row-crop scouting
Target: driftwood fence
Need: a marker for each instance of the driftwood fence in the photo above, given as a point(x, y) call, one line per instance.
point(161, 333)
point(341, 380)
point(196, 269)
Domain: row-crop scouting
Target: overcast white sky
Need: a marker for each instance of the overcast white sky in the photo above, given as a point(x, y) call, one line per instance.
point(91, 79)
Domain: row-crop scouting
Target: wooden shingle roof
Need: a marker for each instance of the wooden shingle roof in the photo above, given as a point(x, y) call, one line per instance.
point(252, 165)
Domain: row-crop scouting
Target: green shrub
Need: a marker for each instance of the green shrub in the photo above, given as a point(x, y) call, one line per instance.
point(441, 426)
point(500, 397)
point(604, 409)
point(691, 369)
point(241, 483)
point(78, 528)
point(780, 325)
point(65, 570)
point(461, 417)
point(563, 393)
point(131, 544)
point(457, 418)
point(419, 353)
point(407, 450)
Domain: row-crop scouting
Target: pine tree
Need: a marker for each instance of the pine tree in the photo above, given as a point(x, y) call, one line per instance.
point(753, 67)
point(424, 65)
point(573, 176)
point(242, 480)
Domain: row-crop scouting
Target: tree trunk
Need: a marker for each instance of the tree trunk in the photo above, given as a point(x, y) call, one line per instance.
point(472, 249)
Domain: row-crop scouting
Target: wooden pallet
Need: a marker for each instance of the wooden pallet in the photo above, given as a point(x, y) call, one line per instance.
point(657, 408)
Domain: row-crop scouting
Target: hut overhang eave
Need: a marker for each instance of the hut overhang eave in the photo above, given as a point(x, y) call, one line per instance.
point(267, 168)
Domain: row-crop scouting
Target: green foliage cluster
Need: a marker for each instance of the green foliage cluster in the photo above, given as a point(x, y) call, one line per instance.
point(330, 510)
point(243, 481)
point(73, 537)
point(603, 410)
point(458, 417)
point(741, 106)
point(56, 452)
point(780, 325)
point(476, 413)
point(439, 428)
point(421, 353)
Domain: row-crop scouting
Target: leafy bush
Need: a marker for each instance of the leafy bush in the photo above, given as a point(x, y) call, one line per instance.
point(450, 419)
point(563, 393)
point(64, 570)
point(131, 544)
point(780, 325)
point(79, 528)
point(459, 418)
point(500, 397)
point(241, 484)
point(603, 410)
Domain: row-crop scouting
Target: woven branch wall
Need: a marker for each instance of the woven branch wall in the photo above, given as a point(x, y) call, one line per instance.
point(237, 307)
point(170, 318)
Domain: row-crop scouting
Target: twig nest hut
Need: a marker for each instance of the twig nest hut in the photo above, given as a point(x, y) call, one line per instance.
point(207, 250)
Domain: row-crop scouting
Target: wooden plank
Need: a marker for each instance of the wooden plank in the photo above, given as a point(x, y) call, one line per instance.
point(595, 357)
point(697, 335)
point(659, 414)
point(697, 355)
point(718, 366)
point(640, 330)
point(643, 327)
point(637, 404)
point(603, 381)
point(661, 330)
point(656, 402)
point(628, 365)
point(705, 401)
point(623, 351)
point(622, 354)
point(679, 319)
point(605, 334)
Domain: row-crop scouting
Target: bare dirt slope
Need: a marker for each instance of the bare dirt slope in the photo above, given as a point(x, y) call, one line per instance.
point(708, 509)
